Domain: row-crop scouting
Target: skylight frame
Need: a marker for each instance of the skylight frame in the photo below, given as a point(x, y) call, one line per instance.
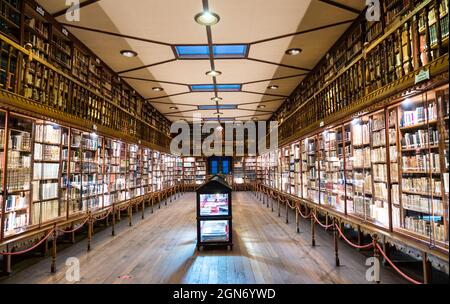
point(190, 55)
point(223, 87)
point(220, 107)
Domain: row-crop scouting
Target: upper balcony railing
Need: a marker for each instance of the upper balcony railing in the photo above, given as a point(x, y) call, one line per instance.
point(356, 70)
point(30, 81)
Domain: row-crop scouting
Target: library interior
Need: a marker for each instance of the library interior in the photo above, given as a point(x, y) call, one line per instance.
point(90, 91)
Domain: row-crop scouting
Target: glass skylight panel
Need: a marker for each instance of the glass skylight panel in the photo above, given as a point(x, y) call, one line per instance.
point(221, 107)
point(192, 51)
point(219, 51)
point(220, 87)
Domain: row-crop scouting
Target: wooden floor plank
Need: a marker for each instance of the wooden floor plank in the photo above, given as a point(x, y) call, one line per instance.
point(162, 249)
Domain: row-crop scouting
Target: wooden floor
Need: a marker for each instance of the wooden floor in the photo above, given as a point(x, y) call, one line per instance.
point(162, 249)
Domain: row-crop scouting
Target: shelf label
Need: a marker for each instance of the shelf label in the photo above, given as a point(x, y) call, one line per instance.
point(97, 60)
point(65, 32)
point(40, 10)
point(322, 123)
point(422, 76)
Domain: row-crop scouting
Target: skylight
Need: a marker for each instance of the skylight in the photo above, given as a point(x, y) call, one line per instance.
point(219, 51)
point(220, 107)
point(220, 119)
point(231, 50)
point(220, 87)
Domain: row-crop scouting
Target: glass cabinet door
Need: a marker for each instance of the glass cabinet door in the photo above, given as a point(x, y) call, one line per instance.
point(362, 175)
point(312, 170)
point(421, 210)
point(91, 161)
point(348, 173)
point(49, 202)
point(333, 185)
point(72, 169)
point(19, 173)
point(2, 158)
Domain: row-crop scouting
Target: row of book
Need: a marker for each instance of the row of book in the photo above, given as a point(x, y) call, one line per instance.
point(418, 116)
point(421, 162)
point(420, 139)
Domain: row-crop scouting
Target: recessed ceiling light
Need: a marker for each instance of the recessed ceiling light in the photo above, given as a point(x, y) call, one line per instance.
point(261, 106)
point(173, 108)
point(213, 73)
point(273, 87)
point(207, 18)
point(157, 89)
point(216, 98)
point(293, 52)
point(128, 53)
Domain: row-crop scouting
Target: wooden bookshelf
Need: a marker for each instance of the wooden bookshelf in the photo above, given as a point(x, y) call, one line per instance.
point(64, 74)
point(387, 167)
point(411, 36)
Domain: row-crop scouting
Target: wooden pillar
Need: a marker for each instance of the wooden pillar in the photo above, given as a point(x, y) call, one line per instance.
point(90, 231)
point(286, 202)
point(360, 237)
point(143, 209)
point(376, 253)
point(426, 265)
point(297, 220)
point(271, 203)
point(44, 248)
point(159, 200)
point(130, 215)
point(313, 230)
point(113, 230)
point(6, 267)
point(336, 243)
point(279, 206)
point(53, 264)
point(387, 250)
point(151, 202)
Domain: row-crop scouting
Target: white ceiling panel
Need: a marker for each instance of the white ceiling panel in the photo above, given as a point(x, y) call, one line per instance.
point(152, 28)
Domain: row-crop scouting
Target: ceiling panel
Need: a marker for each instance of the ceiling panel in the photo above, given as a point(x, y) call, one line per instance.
point(182, 71)
point(156, 25)
point(246, 21)
point(241, 71)
point(308, 57)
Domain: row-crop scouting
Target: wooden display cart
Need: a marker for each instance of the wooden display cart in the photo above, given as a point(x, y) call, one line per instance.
point(214, 215)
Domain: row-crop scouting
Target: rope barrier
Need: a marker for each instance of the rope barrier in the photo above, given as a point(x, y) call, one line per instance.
point(350, 243)
point(293, 205)
point(74, 230)
point(301, 214)
point(31, 248)
point(396, 268)
point(103, 218)
point(318, 222)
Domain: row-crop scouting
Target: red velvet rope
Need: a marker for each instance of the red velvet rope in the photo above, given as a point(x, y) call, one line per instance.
point(302, 215)
point(318, 222)
point(74, 230)
point(396, 268)
point(31, 248)
point(350, 243)
point(107, 214)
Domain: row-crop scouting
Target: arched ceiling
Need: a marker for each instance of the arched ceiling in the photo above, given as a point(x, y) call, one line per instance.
point(153, 28)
